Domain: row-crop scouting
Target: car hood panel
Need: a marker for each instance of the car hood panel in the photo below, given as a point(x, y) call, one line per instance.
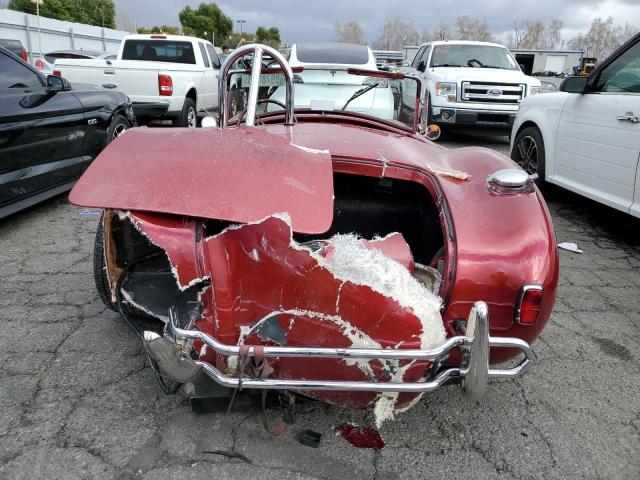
point(238, 176)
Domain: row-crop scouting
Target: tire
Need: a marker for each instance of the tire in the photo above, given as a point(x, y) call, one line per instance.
point(528, 152)
point(189, 115)
point(238, 101)
point(429, 111)
point(119, 124)
point(99, 272)
point(100, 275)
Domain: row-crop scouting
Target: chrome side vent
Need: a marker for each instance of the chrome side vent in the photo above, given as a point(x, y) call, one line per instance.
point(511, 181)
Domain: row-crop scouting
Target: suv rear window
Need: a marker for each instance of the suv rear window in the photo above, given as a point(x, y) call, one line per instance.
point(335, 53)
point(159, 51)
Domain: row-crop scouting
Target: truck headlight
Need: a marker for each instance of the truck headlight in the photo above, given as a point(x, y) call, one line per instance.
point(448, 90)
point(534, 90)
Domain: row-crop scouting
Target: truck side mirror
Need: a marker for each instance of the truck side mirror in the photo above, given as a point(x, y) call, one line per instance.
point(421, 66)
point(574, 85)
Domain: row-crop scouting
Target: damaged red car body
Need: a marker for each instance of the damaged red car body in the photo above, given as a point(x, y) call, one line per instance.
point(340, 256)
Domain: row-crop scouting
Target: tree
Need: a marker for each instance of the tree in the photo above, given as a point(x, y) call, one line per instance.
point(350, 32)
point(396, 34)
point(443, 32)
point(468, 28)
point(124, 23)
point(207, 21)
point(534, 34)
point(167, 29)
point(234, 40)
point(602, 38)
point(269, 36)
point(101, 13)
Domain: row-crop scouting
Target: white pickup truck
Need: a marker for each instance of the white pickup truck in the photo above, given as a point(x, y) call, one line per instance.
point(471, 84)
point(165, 76)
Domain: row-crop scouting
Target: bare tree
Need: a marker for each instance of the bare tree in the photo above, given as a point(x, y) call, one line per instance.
point(625, 32)
point(602, 38)
point(396, 34)
point(444, 31)
point(553, 34)
point(350, 32)
point(535, 34)
point(123, 23)
point(468, 28)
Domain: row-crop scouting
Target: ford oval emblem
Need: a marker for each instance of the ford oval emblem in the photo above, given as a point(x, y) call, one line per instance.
point(495, 91)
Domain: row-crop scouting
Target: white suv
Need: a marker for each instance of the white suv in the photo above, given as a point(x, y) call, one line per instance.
point(471, 84)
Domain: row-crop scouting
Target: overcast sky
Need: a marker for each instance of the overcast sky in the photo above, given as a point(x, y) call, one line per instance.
point(300, 20)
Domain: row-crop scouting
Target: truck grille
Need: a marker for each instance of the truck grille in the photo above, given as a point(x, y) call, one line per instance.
point(488, 92)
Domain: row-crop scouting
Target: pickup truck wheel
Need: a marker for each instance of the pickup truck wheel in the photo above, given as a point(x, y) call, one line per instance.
point(189, 115)
point(119, 124)
point(528, 152)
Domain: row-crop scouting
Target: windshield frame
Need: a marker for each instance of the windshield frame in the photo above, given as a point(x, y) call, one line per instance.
point(418, 111)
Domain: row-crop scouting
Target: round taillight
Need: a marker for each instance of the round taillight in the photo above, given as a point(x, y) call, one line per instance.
point(39, 64)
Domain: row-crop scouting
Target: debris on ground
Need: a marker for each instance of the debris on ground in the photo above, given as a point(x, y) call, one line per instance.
point(229, 454)
point(309, 438)
point(89, 213)
point(569, 246)
point(361, 437)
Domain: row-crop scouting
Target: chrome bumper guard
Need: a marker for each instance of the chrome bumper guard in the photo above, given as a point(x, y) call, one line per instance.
point(473, 374)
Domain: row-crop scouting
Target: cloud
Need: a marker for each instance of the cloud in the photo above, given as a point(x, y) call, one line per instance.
point(314, 21)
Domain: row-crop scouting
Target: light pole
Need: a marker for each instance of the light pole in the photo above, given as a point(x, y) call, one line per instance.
point(38, 3)
point(241, 22)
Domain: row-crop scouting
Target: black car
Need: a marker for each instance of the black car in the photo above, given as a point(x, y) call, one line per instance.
point(50, 131)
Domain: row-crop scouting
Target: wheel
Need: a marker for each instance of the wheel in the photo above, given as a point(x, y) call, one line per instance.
point(101, 279)
point(119, 124)
point(189, 115)
point(528, 152)
point(238, 101)
point(99, 272)
point(429, 111)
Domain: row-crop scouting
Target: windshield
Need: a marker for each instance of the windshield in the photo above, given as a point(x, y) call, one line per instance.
point(479, 56)
point(159, 51)
point(333, 53)
point(384, 96)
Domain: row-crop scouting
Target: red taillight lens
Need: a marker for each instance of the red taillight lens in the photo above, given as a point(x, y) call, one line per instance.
point(165, 85)
point(56, 73)
point(23, 55)
point(39, 64)
point(529, 305)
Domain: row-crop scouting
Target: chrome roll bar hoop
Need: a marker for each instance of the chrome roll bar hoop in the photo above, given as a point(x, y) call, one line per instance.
point(259, 51)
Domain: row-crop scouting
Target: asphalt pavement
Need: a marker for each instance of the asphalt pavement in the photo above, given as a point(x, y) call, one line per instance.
point(79, 401)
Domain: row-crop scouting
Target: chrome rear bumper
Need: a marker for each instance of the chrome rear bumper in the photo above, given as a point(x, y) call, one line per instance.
point(473, 374)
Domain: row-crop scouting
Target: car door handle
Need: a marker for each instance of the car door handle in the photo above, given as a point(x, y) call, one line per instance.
point(629, 117)
point(109, 71)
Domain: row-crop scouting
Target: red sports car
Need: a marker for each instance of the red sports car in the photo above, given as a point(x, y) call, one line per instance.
point(322, 249)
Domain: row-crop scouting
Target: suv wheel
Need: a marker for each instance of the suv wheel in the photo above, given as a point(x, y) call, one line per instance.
point(528, 152)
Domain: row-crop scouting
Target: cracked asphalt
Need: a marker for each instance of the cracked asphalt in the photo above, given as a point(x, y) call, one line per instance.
point(78, 401)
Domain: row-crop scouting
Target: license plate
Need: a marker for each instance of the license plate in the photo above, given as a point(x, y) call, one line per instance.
point(266, 80)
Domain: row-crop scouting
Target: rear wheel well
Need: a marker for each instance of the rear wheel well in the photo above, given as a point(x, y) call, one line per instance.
point(527, 124)
point(192, 95)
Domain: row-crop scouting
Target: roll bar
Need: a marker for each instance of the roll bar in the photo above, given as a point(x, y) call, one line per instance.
point(258, 51)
